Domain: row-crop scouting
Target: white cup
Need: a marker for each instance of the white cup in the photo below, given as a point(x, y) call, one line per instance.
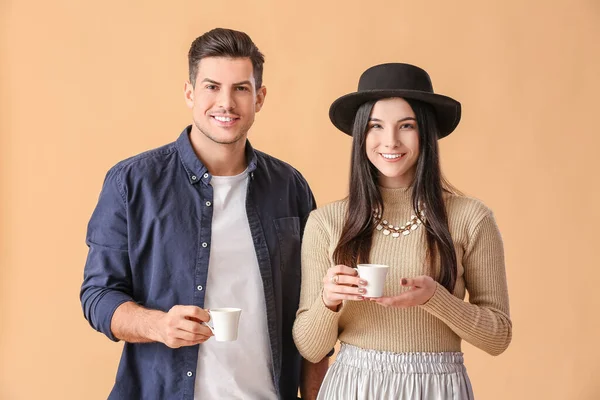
point(375, 275)
point(224, 323)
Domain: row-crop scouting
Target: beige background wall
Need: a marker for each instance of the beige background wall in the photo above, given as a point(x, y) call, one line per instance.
point(85, 84)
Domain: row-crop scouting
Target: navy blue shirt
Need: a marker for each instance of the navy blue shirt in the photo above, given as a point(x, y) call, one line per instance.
point(149, 242)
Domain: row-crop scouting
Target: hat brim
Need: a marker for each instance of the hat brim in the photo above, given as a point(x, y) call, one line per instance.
point(447, 110)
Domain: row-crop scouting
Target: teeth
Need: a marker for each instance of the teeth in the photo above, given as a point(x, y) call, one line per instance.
point(224, 119)
point(391, 156)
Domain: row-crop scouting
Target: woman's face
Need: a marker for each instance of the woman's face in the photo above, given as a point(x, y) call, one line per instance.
point(392, 142)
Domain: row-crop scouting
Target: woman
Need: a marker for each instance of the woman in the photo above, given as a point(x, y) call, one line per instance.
point(437, 243)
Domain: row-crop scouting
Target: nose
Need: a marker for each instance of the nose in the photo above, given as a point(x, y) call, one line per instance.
point(226, 99)
point(390, 138)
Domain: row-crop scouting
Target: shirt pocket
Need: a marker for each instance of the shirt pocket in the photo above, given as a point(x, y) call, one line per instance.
point(288, 238)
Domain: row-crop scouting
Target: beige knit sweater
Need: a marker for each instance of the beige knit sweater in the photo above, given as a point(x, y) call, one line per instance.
point(437, 326)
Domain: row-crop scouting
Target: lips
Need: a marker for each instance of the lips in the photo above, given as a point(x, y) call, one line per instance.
point(224, 120)
point(392, 157)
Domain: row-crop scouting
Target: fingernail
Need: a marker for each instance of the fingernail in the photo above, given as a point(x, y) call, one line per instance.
point(361, 290)
point(360, 297)
point(404, 281)
point(362, 282)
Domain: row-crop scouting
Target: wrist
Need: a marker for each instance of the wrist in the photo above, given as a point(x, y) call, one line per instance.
point(330, 306)
point(432, 293)
point(154, 322)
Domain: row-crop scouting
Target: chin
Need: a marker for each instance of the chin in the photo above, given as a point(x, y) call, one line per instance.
point(230, 139)
point(223, 137)
point(397, 177)
point(393, 174)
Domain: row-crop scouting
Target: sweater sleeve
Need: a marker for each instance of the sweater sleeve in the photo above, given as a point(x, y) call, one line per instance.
point(484, 321)
point(316, 327)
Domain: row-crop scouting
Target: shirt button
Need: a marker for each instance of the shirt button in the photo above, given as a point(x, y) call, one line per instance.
point(204, 244)
point(208, 203)
point(199, 287)
point(205, 176)
point(194, 177)
point(189, 373)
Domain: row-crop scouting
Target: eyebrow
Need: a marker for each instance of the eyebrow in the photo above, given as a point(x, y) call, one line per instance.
point(242, 83)
point(400, 120)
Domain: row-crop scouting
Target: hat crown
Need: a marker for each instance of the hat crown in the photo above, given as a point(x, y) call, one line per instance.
point(395, 76)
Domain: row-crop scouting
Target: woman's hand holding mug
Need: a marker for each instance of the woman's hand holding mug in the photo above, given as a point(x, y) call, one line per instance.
point(341, 283)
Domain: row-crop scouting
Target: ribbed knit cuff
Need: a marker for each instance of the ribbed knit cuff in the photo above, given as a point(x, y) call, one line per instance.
point(315, 332)
point(441, 303)
point(323, 315)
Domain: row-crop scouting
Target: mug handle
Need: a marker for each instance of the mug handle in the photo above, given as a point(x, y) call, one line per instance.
point(212, 329)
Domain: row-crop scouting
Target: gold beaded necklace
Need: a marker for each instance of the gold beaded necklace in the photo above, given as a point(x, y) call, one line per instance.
point(389, 229)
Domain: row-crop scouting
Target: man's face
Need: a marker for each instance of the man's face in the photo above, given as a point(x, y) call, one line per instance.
point(224, 99)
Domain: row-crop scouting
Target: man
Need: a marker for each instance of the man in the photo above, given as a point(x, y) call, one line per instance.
point(204, 222)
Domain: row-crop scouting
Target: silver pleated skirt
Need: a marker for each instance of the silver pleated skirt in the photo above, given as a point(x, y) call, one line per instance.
point(359, 374)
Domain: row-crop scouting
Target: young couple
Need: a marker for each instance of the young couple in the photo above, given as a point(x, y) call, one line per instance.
point(207, 221)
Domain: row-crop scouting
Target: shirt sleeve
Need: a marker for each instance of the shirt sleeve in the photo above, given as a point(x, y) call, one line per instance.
point(107, 273)
point(306, 199)
point(484, 321)
point(316, 327)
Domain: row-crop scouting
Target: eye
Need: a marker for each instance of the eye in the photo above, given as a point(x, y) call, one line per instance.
point(242, 89)
point(375, 126)
point(211, 87)
point(407, 125)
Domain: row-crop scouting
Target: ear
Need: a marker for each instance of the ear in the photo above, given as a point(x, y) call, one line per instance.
point(261, 93)
point(188, 92)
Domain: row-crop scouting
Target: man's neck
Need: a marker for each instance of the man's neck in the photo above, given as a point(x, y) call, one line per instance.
point(219, 159)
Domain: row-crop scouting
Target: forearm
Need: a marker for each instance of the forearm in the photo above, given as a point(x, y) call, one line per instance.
point(312, 377)
point(316, 327)
point(316, 331)
point(484, 327)
point(135, 324)
point(484, 321)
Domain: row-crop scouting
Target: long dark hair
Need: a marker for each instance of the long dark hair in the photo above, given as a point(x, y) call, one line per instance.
point(356, 239)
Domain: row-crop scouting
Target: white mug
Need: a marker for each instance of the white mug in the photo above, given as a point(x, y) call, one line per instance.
point(375, 275)
point(225, 323)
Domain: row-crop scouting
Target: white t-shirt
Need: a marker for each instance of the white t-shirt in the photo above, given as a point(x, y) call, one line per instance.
point(241, 369)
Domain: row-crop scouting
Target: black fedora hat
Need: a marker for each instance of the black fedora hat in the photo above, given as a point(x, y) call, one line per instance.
point(395, 80)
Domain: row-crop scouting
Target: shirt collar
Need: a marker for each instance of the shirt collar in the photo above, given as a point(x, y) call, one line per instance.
point(195, 169)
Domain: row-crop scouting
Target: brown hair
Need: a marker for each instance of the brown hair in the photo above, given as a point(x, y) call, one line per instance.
point(221, 42)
